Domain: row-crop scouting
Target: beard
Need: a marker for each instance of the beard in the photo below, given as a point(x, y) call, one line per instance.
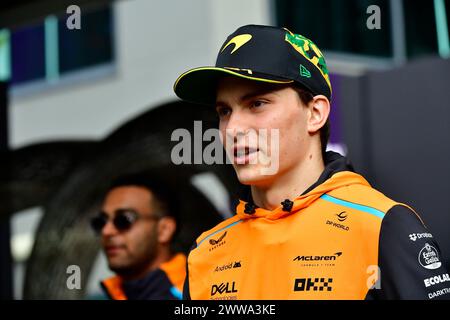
point(137, 256)
point(133, 266)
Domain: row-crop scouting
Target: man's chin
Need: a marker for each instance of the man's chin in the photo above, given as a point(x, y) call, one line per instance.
point(122, 270)
point(253, 175)
point(118, 265)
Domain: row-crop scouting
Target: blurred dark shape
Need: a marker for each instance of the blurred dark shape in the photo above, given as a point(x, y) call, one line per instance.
point(68, 179)
point(14, 13)
point(6, 287)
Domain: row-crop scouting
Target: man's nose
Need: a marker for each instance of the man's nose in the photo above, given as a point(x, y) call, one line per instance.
point(109, 229)
point(237, 126)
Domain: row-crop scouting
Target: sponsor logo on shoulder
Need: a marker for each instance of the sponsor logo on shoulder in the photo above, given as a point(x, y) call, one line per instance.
point(415, 236)
point(429, 257)
point(436, 280)
point(215, 243)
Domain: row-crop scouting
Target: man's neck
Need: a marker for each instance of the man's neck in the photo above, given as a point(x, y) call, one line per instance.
point(290, 184)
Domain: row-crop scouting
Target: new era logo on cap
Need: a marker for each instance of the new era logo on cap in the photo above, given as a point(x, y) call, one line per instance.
point(304, 72)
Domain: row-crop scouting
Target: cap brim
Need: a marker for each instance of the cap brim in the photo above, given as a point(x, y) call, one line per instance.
point(199, 85)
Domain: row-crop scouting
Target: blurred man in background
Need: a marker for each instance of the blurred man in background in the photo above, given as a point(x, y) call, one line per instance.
point(137, 224)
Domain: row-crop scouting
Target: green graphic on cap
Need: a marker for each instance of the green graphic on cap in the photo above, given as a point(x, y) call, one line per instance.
point(304, 72)
point(310, 51)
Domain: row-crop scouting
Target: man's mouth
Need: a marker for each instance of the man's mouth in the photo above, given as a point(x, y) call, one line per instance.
point(113, 249)
point(243, 155)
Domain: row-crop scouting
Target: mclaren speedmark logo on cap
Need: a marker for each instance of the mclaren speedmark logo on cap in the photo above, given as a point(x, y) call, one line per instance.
point(238, 41)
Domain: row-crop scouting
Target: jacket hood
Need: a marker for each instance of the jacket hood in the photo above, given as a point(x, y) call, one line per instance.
point(338, 173)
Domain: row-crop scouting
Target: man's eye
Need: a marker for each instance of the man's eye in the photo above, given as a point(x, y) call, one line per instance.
point(223, 112)
point(258, 103)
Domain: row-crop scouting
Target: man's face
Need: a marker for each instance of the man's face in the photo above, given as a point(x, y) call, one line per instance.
point(132, 250)
point(245, 109)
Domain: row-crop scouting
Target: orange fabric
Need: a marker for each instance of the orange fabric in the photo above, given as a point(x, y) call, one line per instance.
point(307, 253)
point(175, 270)
point(114, 287)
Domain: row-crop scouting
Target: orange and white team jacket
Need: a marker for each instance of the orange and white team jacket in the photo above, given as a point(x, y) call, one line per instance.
point(341, 239)
point(163, 283)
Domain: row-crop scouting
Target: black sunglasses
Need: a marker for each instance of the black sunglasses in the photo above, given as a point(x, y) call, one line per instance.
point(122, 221)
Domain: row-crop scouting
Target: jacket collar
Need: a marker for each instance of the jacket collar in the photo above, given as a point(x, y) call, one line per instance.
point(338, 172)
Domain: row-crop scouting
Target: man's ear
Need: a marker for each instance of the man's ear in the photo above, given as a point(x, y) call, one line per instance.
point(166, 229)
point(319, 113)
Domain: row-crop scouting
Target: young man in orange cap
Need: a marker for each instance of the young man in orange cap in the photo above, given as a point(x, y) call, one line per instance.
point(312, 228)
